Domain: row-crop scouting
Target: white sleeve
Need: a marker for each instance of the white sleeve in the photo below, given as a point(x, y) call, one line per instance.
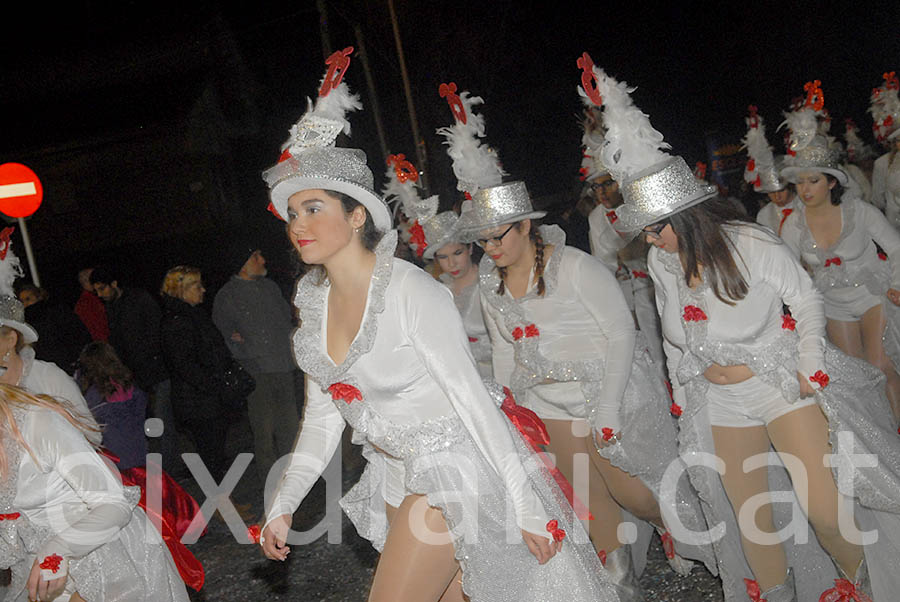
point(605, 241)
point(62, 386)
point(320, 434)
point(885, 235)
point(61, 448)
point(435, 330)
point(599, 292)
point(777, 266)
point(503, 357)
point(673, 353)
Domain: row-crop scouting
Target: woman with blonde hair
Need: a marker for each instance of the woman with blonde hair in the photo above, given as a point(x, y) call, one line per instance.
point(70, 530)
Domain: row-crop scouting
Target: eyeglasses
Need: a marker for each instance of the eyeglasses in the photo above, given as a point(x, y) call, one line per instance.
point(494, 240)
point(655, 229)
point(603, 185)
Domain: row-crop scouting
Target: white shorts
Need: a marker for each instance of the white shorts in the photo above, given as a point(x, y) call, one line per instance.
point(849, 304)
point(752, 402)
point(394, 485)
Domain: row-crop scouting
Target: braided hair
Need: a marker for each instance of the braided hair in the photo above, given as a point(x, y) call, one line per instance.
point(535, 237)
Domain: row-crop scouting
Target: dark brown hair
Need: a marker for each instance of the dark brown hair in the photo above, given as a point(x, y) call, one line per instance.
point(99, 366)
point(702, 242)
point(534, 236)
point(837, 191)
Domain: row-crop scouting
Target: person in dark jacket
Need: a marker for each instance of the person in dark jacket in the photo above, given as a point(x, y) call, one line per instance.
point(197, 358)
point(134, 323)
point(115, 402)
point(62, 333)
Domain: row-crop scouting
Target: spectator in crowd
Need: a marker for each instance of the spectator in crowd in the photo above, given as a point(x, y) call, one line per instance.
point(90, 308)
point(256, 323)
point(62, 333)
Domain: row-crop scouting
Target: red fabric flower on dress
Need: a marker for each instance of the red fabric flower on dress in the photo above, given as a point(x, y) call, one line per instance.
point(473, 340)
point(820, 378)
point(254, 533)
point(602, 556)
point(833, 261)
point(612, 216)
point(557, 533)
point(607, 433)
point(692, 313)
point(518, 333)
point(843, 591)
point(51, 563)
point(348, 393)
point(417, 237)
point(639, 274)
point(788, 322)
point(753, 590)
point(10, 516)
point(531, 331)
point(668, 544)
point(675, 409)
point(882, 255)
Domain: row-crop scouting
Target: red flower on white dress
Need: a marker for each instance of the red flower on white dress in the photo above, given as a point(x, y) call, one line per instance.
point(557, 533)
point(607, 433)
point(675, 409)
point(639, 274)
point(843, 591)
point(531, 331)
point(10, 516)
point(820, 378)
point(602, 556)
point(692, 313)
point(882, 255)
point(51, 563)
point(668, 544)
point(833, 261)
point(254, 533)
point(753, 590)
point(612, 216)
point(348, 393)
point(473, 339)
point(788, 322)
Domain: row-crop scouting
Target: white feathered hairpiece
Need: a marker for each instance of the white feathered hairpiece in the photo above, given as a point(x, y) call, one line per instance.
point(475, 165)
point(10, 266)
point(885, 107)
point(762, 159)
point(631, 144)
point(402, 185)
point(591, 143)
point(803, 122)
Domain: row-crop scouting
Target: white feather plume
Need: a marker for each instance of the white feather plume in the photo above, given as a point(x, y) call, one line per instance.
point(337, 104)
point(414, 207)
point(803, 125)
point(475, 165)
point(631, 144)
point(10, 270)
point(322, 122)
point(592, 143)
point(759, 150)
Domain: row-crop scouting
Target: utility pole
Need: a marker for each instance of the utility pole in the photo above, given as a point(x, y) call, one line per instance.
point(370, 83)
point(323, 28)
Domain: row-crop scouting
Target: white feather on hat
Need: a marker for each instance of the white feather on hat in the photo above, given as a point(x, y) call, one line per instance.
point(857, 149)
point(402, 185)
point(592, 140)
point(475, 165)
point(762, 158)
point(885, 107)
point(322, 122)
point(631, 143)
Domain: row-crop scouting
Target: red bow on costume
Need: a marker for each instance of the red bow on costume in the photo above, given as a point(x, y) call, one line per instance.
point(675, 410)
point(602, 556)
point(820, 378)
point(583, 171)
point(473, 340)
point(534, 432)
point(882, 255)
point(692, 313)
point(530, 331)
point(417, 237)
point(553, 528)
point(51, 563)
point(11, 516)
point(788, 322)
point(843, 591)
point(668, 544)
point(612, 216)
point(254, 533)
point(348, 393)
point(833, 261)
point(607, 433)
point(639, 274)
point(784, 215)
point(753, 590)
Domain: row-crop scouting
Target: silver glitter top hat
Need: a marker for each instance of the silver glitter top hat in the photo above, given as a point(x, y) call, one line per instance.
point(12, 312)
point(818, 156)
point(657, 193)
point(494, 206)
point(809, 149)
point(310, 160)
point(440, 230)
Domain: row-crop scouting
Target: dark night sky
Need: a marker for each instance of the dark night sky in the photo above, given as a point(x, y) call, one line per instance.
point(87, 72)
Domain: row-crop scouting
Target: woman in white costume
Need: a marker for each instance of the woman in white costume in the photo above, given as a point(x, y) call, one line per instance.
point(762, 172)
point(70, 530)
point(746, 378)
point(384, 350)
point(834, 235)
point(563, 341)
point(885, 110)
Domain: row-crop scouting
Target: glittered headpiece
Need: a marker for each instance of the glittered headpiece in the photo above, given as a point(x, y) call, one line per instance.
point(477, 168)
point(857, 149)
point(653, 183)
point(402, 186)
point(810, 150)
point(762, 169)
point(310, 159)
point(885, 108)
point(592, 166)
point(12, 312)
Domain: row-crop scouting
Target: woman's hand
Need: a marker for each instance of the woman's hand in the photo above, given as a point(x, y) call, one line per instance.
point(542, 547)
point(274, 538)
point(806, 389)
point(38, 589)
point(602, 442)
point(894, 295)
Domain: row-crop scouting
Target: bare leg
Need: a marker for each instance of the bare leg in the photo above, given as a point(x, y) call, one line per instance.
point(417, 563)
point(733, 446)
point(803, 434)
point(847, 336)
point(76, 598)
point(873, 323)
point(608, 487)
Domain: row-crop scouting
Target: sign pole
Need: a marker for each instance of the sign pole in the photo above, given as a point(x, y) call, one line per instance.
point(26, 240)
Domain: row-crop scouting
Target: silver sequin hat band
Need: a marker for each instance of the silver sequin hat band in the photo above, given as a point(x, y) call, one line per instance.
point(816, 156)
point(327, 168)
point(12, 315)
point(770, 180)
point(658, 192)
point(494, 206)
point(440, 230)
